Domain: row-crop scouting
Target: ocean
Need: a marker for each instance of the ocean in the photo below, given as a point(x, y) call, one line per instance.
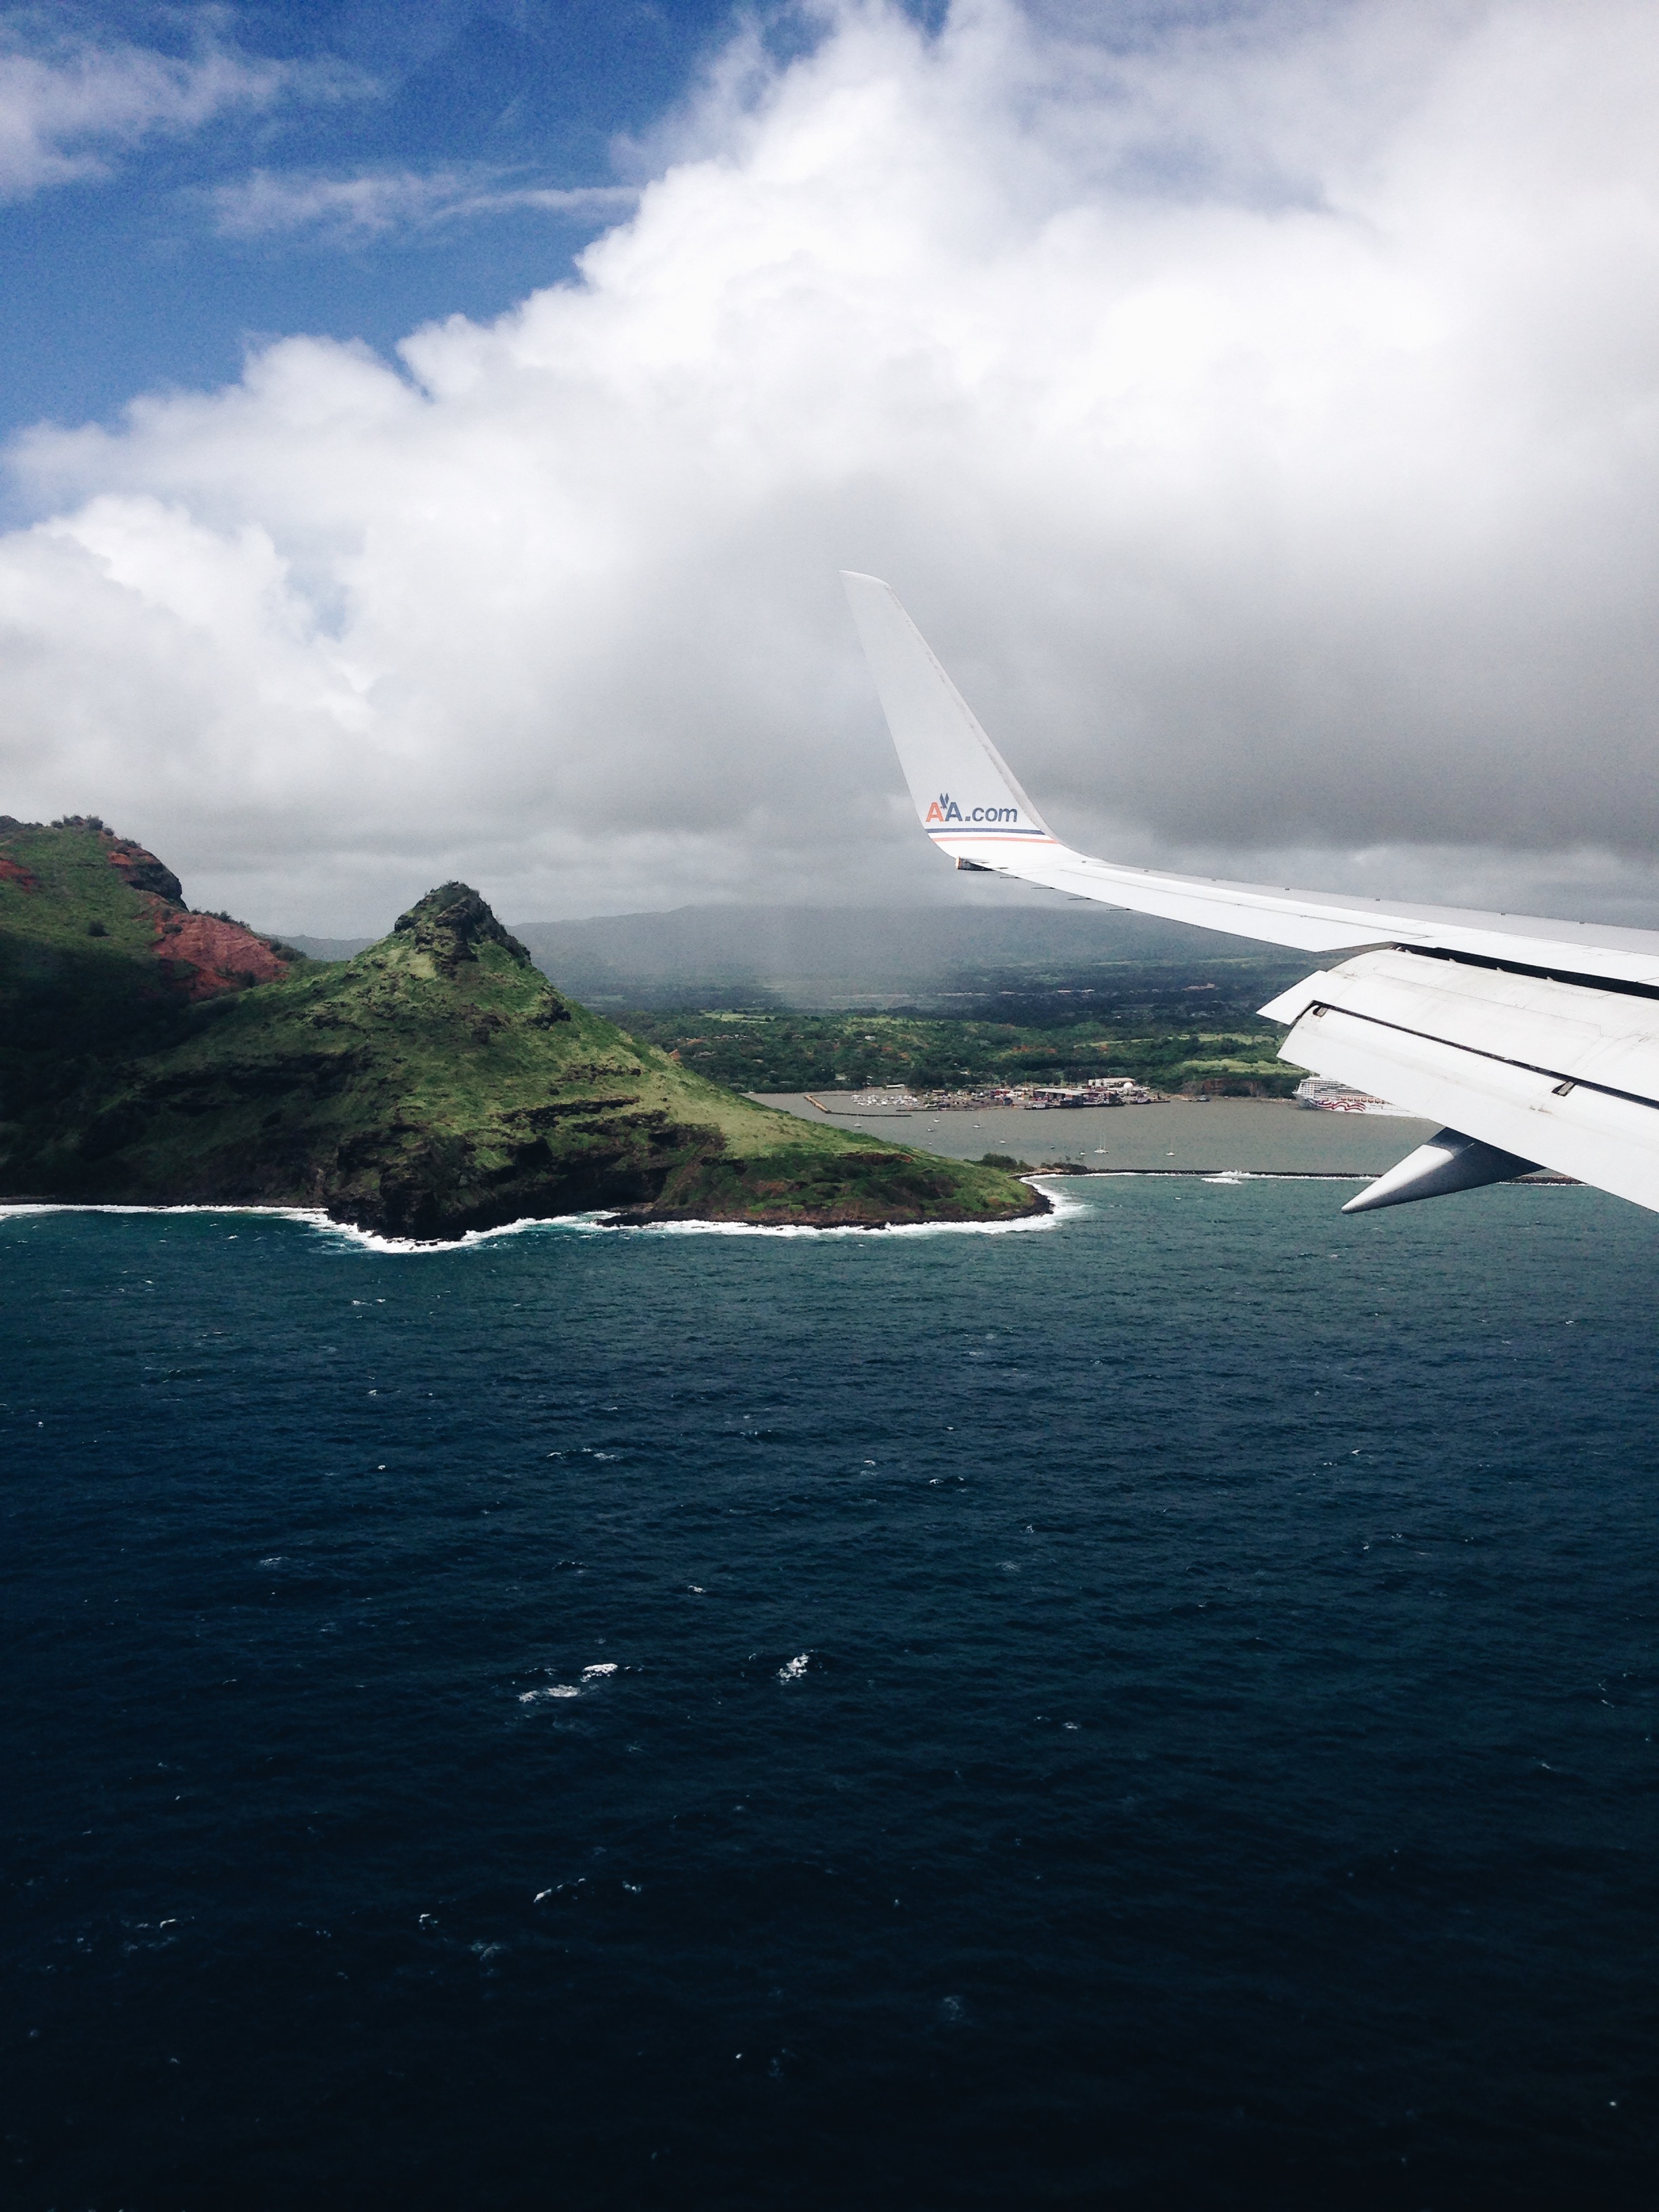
point(1153, 1709)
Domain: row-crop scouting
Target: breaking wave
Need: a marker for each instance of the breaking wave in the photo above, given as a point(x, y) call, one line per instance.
point(597, 1223)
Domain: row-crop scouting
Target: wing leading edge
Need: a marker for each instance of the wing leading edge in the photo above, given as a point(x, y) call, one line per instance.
point(1536, 1042)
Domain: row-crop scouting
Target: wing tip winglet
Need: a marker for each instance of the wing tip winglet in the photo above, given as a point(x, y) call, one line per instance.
point(957, 777)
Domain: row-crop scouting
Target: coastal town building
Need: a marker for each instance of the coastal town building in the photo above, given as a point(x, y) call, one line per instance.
point(1032, 1098)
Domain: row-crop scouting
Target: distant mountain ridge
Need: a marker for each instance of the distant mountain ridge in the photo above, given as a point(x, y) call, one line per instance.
point(835, 956)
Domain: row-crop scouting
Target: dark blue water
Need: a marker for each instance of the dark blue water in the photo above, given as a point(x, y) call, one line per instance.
point(1153, 1713)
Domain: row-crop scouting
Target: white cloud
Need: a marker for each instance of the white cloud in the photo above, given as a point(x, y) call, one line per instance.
point(1263, 423)
point(377, 203)
point(68, 103)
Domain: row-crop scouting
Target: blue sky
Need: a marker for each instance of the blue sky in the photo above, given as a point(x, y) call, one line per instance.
point(149, 270)
point(433, 433)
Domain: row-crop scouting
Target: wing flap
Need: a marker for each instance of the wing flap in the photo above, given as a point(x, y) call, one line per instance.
point(1571, 1031)
point(1598, 1136)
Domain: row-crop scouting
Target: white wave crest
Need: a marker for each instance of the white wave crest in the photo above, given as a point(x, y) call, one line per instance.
point(583, 1225)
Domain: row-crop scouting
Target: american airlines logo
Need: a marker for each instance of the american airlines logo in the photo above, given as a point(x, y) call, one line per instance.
point(945, 809)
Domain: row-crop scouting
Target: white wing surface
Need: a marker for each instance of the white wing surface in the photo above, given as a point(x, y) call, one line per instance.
point(1536, 1042)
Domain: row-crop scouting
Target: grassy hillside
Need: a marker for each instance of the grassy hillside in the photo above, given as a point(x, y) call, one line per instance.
point(433, 1083)
point(99, 955)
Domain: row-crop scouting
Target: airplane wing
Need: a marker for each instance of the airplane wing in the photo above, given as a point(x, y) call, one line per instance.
point(1535, 1043)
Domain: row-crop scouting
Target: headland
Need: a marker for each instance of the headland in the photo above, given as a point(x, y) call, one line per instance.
point(434, 1083)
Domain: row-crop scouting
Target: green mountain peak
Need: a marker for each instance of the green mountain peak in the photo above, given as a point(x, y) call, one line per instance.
point(451, 922)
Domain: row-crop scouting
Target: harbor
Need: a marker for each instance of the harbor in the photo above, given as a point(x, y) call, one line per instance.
point(1100, 1090)
point(1249, 1136)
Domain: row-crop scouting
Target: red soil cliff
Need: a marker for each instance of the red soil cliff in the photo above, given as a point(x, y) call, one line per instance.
point(224, 956)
